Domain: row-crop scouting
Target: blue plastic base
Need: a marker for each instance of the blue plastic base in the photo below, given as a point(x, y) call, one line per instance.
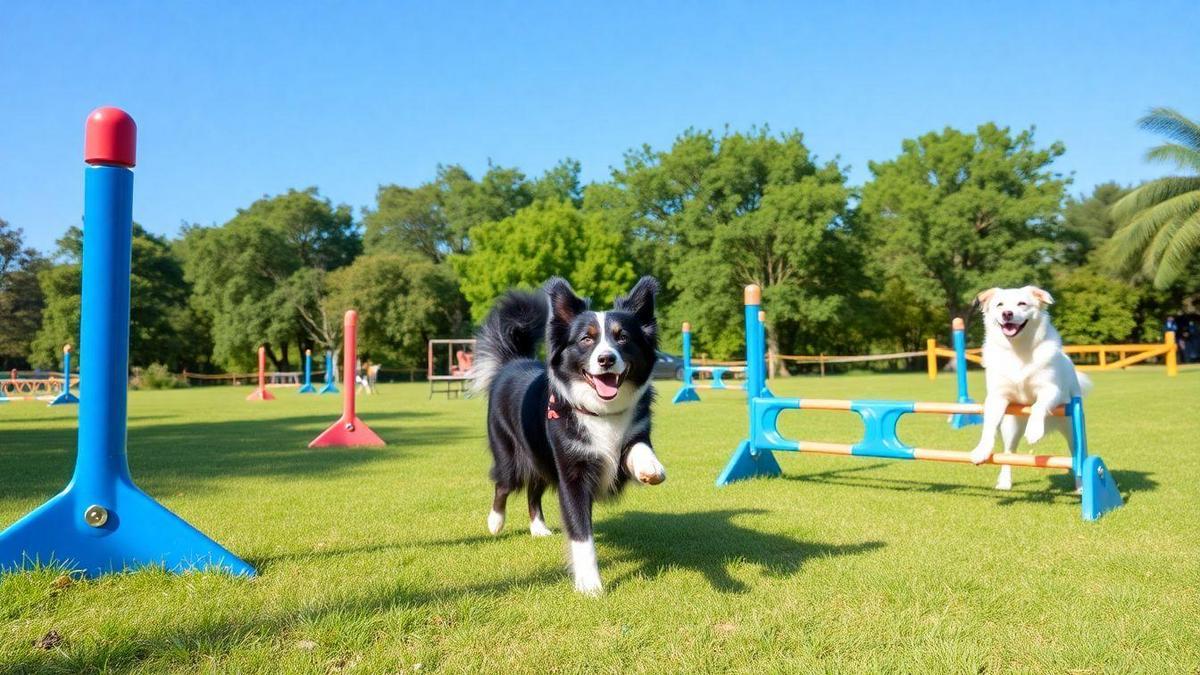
point(307, 389)
point(65, 398)
point(327, 388)
point(744, 464)
point(686, 394)
point(139, 532)
point(958, 421)
point(1100, 493)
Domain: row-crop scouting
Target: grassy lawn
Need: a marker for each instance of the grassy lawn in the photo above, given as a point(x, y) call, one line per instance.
point(379, 560)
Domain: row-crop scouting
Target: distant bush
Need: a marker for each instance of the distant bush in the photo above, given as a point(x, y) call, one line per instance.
point(155, 376)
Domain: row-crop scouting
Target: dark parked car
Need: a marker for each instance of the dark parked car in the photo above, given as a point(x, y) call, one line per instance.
point(668, 366)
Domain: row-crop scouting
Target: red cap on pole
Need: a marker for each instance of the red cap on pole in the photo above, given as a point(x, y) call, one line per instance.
point(110, 137)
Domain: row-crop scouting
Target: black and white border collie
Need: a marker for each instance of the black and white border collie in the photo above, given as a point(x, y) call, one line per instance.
point(580, 420)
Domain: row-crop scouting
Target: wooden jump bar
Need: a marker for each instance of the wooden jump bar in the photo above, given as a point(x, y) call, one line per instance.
point(926, 407)
point(925, 454)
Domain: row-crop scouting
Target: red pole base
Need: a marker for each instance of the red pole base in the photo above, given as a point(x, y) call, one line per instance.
point(261, 395)
point(343, 435)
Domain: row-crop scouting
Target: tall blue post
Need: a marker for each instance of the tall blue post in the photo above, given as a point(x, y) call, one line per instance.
point(307, 387)
point(688, 392)
point(65, 397)
point(958, 334)
point(101, 522)
point(329, 387)
point(747, 460)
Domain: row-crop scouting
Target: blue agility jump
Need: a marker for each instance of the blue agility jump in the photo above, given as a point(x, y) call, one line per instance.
point(687, 393)
point(307, 387)
point(959, 337)
point(754, 455)
point(329, 387)
point(101, 522)
point(66, 397)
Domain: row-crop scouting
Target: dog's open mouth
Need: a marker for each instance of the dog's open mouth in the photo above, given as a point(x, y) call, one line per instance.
point(607, 385)
point(1011, 328)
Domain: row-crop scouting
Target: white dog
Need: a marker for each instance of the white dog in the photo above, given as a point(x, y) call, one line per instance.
point(1025, 364)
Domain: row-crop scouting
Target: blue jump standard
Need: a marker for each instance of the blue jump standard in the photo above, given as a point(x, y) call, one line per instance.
point(101, 522)
point(307, 387)
point(328, 387)
point(961, 420)
point(66, 397)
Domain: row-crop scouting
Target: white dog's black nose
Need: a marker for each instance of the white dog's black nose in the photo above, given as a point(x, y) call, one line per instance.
point(1006, 315)
point(606, 359)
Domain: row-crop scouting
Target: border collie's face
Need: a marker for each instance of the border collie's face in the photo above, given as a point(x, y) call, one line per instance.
point(1011, 310)
point(604, 359)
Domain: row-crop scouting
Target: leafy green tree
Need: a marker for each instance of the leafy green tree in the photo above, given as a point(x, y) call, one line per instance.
point(402, 301)
point(242, 272)
point(1088, 222)
point(21, 301)
point(1162, 232)
point(159, 311)
point(543, 240)
point(1094, 308)
point(958, 212)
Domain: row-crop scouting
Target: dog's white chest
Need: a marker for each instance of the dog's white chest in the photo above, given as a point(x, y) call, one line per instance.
point(605, 438)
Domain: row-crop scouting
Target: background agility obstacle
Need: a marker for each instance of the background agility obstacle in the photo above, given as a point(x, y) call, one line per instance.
point(717, 371)
point(754, 455)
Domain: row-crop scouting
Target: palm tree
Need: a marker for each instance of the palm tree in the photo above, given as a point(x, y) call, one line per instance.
point(1162, 230)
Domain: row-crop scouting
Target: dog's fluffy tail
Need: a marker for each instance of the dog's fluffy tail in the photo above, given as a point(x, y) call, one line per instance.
point(512, 330)
point(1085, 383)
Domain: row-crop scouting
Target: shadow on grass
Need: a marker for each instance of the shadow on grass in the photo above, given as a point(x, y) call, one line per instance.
point(37, 464)
point(709, 542)
point(1062, 484)
point(224, 632)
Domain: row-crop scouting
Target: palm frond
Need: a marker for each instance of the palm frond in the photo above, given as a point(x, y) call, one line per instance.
point(1153, 253)
point(1179, 253)
point(1152, 193)
point(1170, 123)
point(1174, 153)
point(1130, 242)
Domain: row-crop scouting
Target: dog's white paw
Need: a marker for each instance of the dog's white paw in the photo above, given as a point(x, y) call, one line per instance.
point(981, 453)
point(1004, 480)
point(495, 522)
point(643, 464)
point(1035, 429)
point(589, 584)
point(538, 528)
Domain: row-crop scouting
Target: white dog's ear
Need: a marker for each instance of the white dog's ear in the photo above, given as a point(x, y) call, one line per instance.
point(983, 297)
point(1041, 295)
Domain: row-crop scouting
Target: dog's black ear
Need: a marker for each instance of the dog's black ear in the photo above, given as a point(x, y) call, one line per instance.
point(640, 303)
point(564, 304)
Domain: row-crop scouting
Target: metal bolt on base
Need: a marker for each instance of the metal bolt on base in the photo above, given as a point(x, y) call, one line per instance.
point(96, 516)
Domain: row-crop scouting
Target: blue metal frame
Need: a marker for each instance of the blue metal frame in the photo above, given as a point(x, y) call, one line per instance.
point(687, 393)
point(307, 387)
point(65, 397)
point(960, 420)
point(754, 456)
point(329, 387)
point(101, 522)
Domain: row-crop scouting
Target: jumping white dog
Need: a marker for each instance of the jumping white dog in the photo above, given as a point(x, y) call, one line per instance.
point(1025, 364)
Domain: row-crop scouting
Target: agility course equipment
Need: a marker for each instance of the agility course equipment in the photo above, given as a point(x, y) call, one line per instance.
point(754, 455)
point(460, 355)
point(34, 386)
point(330, 375)
point(959, 338)
point(1127, 355)
point(349, 430)
point(307, 387)
point(101, 522)
point(687, 393)
point(66, 397)
point(261, 393)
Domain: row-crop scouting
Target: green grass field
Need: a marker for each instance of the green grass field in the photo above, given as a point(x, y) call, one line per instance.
point(379, 560)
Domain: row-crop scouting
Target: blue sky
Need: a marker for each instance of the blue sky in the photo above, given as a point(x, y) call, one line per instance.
point(237, 100)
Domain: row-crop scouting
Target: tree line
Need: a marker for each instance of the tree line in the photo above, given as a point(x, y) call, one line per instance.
point(844, 268)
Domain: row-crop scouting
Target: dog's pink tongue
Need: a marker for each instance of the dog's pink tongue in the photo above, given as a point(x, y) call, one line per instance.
point(606, 385)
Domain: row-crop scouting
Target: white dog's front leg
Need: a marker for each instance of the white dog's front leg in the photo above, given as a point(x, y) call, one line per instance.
point(643, 464)
point(993, 414)
point(1035, 428)
point(584, 568)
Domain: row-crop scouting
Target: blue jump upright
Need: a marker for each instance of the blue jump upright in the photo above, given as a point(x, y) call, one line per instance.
point(65, 397)
point(307, 387)
point(101, 522)
point(959, 336)
point(688, 392)
point(754, 456)
point(329, 387)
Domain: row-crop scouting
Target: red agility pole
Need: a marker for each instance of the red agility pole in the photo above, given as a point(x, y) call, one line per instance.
point(348, 431)
point(261, 394)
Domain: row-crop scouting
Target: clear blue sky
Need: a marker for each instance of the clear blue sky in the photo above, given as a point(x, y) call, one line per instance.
point(240, 99)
